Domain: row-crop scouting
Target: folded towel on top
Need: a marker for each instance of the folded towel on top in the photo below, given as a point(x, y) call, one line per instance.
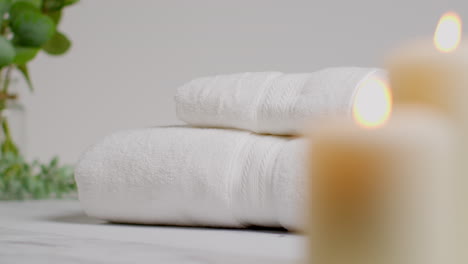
point(270, 102)
point(193, 176)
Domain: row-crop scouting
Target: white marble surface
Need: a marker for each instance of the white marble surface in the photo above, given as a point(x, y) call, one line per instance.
point(59, 232)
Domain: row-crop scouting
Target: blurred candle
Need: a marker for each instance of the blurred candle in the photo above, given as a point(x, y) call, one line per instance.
point(381, 188)
point(435, 73)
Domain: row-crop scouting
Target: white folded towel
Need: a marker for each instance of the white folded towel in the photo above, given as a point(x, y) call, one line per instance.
point(194, 176)
point(270, 102)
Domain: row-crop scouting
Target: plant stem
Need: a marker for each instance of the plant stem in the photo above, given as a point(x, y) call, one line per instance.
point(8, 144)
point(4, 90)
point(6, 83)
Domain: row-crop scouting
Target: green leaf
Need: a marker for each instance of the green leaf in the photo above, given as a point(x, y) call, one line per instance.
point(20, 7)
point(70, 2)
point(57, 45)
point(52, 5)
point(7, 52)
point(24, 54)
point(9, 147)
point(24, 71)
point(54, 162)
point(56, 16)
point(4, 7)
point(32, 29)
point(36, 3)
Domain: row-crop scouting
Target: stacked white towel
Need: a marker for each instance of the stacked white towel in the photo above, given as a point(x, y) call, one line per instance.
point(189, 176)
point(218, 177)
point(270, 102)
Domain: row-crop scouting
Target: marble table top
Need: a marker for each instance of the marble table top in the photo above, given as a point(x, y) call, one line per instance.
point(59, 232)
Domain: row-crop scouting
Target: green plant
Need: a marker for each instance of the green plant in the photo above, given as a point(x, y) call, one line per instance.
point(22, 180)
point(26, 28)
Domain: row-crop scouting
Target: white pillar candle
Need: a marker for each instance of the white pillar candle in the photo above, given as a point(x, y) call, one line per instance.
point(435, 73)
point(383, 193)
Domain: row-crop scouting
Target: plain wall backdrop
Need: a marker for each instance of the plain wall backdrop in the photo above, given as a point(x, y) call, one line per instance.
point(128, 57)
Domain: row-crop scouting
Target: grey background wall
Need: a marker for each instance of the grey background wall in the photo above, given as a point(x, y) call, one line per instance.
point(128, 57)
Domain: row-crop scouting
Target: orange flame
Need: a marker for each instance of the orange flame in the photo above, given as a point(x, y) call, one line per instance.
point(372, 103)
point(448, 32)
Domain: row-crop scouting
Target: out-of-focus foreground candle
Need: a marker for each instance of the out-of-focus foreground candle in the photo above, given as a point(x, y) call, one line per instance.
point(434, 72)
point(381, 188)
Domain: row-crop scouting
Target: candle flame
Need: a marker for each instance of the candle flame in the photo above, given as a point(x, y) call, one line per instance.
point(448, 32)
point(372, 103)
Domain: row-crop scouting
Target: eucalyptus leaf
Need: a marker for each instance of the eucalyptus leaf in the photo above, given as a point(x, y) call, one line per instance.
point(20, 179)
point(70, 2)
point(32, 29)
point(8, 146)
point(4, 7)
point(21, 7)
point(52, 5)
point(56, 16)
point(7, 52)
point(36, 3)
point(24, 54)
point(25, 27)
point(25, 72)
point(57, 45)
